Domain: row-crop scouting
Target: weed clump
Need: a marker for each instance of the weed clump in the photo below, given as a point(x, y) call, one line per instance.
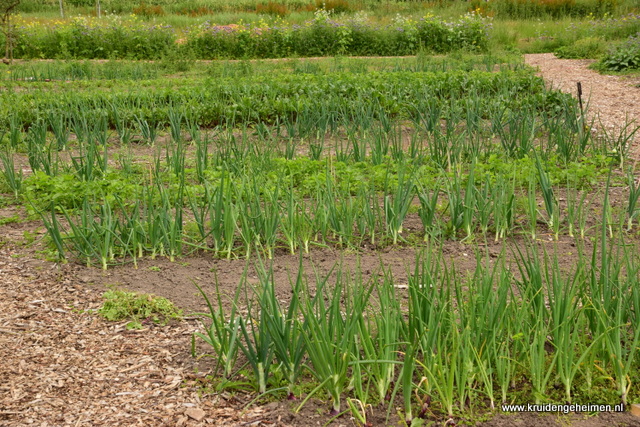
point(121, 305)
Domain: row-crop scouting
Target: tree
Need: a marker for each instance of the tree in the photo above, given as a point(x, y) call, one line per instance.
point(7, 7)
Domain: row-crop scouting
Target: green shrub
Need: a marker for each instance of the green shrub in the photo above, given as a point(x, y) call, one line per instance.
point(325, 37)
point(90, 38)
point(589, 48)
point(625, 56)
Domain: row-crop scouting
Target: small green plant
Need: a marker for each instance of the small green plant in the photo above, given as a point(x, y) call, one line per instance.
point(121, 305)
point(624, 57)
point(10, 220)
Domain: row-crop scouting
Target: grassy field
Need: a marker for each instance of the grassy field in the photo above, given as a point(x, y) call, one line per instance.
point(517, 222)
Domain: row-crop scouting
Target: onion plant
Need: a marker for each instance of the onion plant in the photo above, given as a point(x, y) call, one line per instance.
point(633, 209)
point(566, 320)
point(12, 175)
point(532, 207)
point(550, 201)
point(503, 195)
point(379, 337)
point(257, 343)
point(148, 129)
point(396, 205)
point(427, 210)
point(456, 204)
point(223, 332)
point(469, 202)
point(330, 332)
point(15, 133)
point(59, 125)
point(285, 331)
point(39, 152)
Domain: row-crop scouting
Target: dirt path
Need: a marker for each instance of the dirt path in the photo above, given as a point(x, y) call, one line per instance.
point(612, 100)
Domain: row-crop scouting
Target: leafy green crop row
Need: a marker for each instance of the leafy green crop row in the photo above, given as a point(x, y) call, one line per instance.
point(268, 99)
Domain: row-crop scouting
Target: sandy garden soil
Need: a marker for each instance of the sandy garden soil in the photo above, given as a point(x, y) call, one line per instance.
point(62, 365)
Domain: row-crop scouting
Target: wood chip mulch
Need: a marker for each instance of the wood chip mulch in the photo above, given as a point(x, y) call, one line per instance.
point(63, 365)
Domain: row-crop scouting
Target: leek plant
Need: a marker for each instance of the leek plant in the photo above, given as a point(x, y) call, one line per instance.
point(444, 369)
point(370, 221)
point(95, 235)
point(572, 207)
point(566, 318)
point(89, 164)
point(612, 294)
point(533, 316)
point(406, 379)
point(428, 324)
point(202, 157)
point(517, 137)
point(617, 142)
point(291, 222)
point(80, 125)
point(539, 366)
point(341, 213)
point(502, 352)
point(53, 230)
point(192, 127)
point(379, 145)
point(122, 129)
